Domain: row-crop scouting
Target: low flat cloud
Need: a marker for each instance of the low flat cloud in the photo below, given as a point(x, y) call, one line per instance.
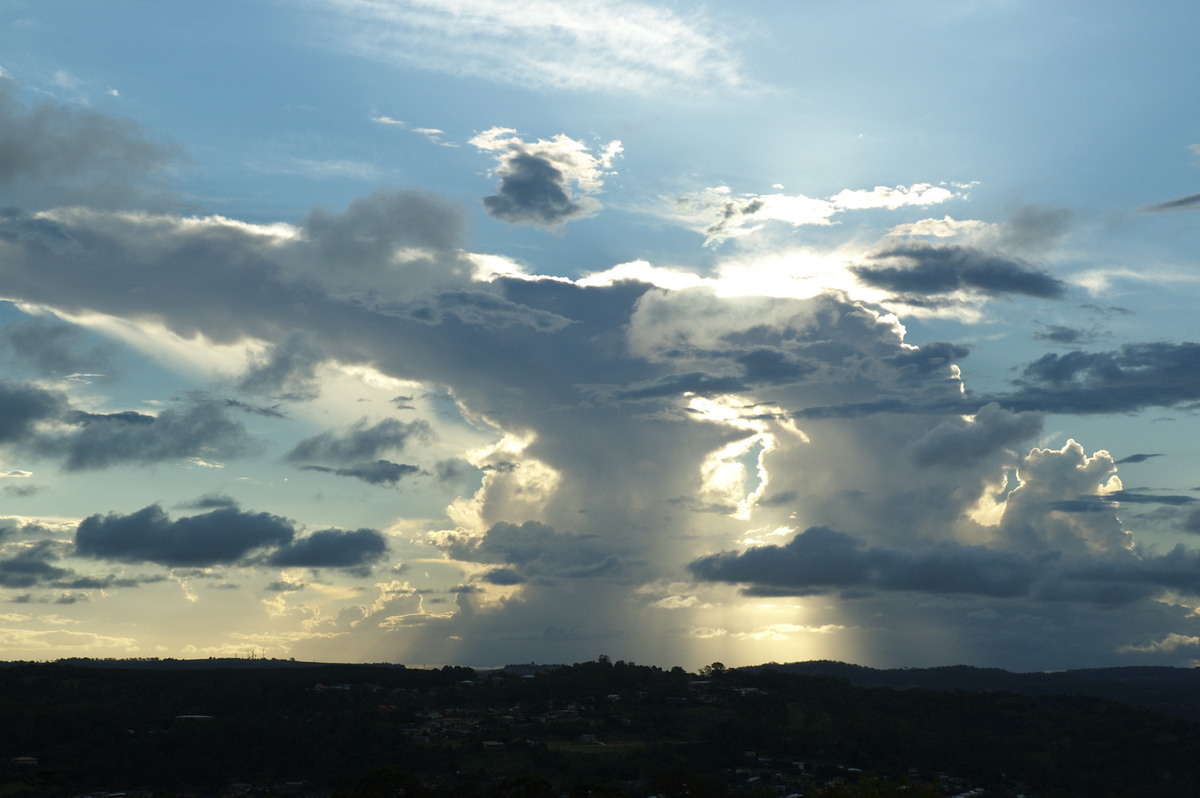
point(380, 472)
point(220, 537)
point(825, 559)
point(359, 442)
point(1190, 202)
point(922, 269)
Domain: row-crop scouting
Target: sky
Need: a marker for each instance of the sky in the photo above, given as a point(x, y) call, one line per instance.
point(479, 332)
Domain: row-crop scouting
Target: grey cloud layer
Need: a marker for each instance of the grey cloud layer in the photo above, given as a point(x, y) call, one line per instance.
point(220, 537)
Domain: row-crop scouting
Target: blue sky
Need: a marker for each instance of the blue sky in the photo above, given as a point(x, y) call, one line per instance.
point(467, 331)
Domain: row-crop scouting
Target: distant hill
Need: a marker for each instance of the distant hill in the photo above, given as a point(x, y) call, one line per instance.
point(1169, 691)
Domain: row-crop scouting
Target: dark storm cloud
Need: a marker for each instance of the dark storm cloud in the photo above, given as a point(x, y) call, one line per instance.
point(767, 366)
point(956, 442)
point(332, 548)
point(380, 472)
point(359, 442)
point(533, 191)
point(53, 348)
point(149, 535)
point(932, 269)
point(532, 549)
point(288, 370)
point(827, 559)
point(53, 154)
point(100, 440)
point(1133, 377)
point(503, 577)
point(31, 566)
point(678, 384)
point(1187, 203)
point(930, 358)
point(23, 405)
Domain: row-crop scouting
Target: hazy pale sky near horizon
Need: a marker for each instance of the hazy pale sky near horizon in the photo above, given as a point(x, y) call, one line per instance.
point(474, 332)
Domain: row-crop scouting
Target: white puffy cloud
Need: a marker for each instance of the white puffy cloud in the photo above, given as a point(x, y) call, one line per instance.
point(720, 214)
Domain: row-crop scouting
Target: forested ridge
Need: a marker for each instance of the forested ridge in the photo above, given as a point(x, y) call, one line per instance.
point(592, 728)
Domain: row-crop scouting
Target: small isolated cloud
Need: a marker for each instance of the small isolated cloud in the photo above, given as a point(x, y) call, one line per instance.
point(1137, 458)
point(359, 442)
point(332, 548)
point(1063, 335)
point(1188, 203)
point(541, 181)
point(721, 215)
point(149, 535)
point(380, 472)
point(923, 269)
point(212, 501)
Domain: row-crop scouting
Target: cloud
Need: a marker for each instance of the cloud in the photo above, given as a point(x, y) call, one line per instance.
point(944, 269)
point(23, 405)
point(539, 180)
point(219, 537)
point(823, 559)
point(1136, 376)
point(607, 46)
point(965, 439)
point(1190, 202)
point(722, 215)
point(361, 441)
point(1061, 334)
point(100, 440)
point(529, 550)
point(332, 548)
point(54, 348)
point(1137, 458)
point(53, 154)
point(30, 567)
point(288, 371)
point(380, 472)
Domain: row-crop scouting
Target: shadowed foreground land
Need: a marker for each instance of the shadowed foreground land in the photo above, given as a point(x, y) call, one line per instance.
point(594, 728)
